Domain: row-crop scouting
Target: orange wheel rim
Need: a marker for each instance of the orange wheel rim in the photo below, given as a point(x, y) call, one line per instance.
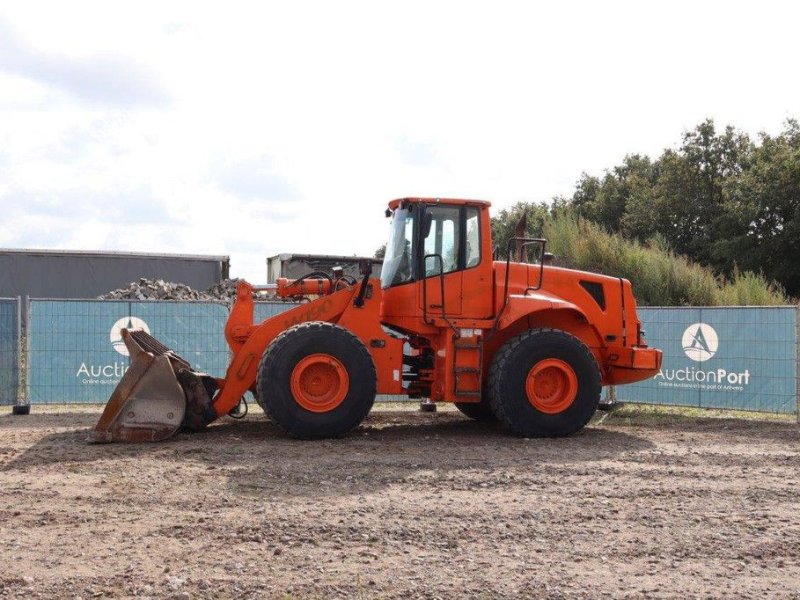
point(551, 386)
point(319, 383)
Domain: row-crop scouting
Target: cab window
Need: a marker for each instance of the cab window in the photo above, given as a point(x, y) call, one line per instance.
point(398, 261)
point(473, 254)
point(441, 233)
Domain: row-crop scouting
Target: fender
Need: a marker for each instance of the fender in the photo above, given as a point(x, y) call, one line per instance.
point(521, 306)
point(248, 341)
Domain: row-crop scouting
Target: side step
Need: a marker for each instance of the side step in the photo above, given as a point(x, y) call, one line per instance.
point(467, 365)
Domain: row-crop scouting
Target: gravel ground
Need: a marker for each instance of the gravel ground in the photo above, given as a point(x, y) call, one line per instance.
point(413, 504)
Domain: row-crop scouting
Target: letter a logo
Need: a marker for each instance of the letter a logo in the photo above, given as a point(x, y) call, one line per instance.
point(700, 341)
point(116, 332)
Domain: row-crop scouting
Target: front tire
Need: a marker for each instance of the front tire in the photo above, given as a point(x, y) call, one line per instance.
point(316, 380)
point(544, 383)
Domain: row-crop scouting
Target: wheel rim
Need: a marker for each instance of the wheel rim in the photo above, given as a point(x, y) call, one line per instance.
point(551, 386)
point(319, 383)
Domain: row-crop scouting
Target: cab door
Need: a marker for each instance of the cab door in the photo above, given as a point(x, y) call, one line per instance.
point(477, 279)
point(441, 233)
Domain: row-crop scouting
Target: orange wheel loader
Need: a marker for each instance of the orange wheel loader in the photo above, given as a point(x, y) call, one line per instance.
point(525, 343)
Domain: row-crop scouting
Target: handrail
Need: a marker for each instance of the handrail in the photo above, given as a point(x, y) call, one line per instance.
point(525, 241)
point(425, 293)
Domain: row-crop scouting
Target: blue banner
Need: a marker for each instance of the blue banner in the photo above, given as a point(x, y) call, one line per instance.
point(265, 310)
point(76, 353)
point(9, 352)
point(736, 357)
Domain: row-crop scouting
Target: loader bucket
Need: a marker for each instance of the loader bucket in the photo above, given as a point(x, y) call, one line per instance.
point(149, 403)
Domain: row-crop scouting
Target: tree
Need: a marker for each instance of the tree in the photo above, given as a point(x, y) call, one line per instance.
point(504, 223)
point(762, 217)
point(718, 198)
point(689, 190)
point(605, 201)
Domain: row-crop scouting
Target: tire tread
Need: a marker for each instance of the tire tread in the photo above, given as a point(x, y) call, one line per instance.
point(500, 408)
point(277, 347)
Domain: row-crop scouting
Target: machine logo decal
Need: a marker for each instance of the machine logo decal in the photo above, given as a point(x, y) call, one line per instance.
point(700, 341)
point(116, 332)
point(314, 312)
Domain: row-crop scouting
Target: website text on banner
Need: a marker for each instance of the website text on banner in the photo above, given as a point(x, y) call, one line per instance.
point(741, 358)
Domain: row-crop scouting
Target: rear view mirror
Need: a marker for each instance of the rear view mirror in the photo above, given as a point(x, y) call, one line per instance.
point(365, 267)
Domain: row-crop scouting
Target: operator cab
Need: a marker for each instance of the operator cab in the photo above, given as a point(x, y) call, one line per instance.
point(433, 238)
point(429, 237)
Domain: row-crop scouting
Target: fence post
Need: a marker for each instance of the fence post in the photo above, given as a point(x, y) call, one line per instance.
point(25, 375)
point(20, 391)
point(797, 361)
point(21, 406)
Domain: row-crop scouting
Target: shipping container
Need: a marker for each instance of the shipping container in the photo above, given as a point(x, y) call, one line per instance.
point(293, 266)
point(88, 274)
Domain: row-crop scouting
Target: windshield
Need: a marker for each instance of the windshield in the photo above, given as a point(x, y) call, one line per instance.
point(398, 266)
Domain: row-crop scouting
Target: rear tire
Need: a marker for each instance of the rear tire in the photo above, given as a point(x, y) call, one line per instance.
point(544, 383)
point(477, 411)
point(316, 380)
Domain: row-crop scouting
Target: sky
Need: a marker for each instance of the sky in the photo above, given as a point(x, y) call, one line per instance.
point(251, 129)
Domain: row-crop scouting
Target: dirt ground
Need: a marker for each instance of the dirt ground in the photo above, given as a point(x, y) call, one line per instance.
point(411, 505)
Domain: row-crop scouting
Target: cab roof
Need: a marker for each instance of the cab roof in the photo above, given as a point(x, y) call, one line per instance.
point(393, 204)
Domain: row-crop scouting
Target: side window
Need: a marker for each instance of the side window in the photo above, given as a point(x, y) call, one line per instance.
point(473, 237)
point(441, 233)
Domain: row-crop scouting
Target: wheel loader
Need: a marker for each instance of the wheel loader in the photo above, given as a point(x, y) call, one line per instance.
point(519, 341)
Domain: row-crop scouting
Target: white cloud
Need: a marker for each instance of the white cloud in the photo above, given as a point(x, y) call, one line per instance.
point(258, 128)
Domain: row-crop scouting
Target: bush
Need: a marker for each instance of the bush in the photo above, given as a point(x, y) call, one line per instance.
point(659, 276)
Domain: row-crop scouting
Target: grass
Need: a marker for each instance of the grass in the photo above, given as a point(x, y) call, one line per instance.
point(637, 415)
point(659, 276)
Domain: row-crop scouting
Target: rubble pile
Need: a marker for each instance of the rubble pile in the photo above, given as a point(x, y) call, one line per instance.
point(225, 290)
point(158, 289)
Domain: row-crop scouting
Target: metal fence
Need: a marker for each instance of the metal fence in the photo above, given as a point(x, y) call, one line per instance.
point(265, 310)
point(75, 349)
point(736, 358)
point(742, 358)
point(9, 350)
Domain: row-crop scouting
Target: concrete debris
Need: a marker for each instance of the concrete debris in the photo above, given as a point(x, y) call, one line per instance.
point(226, 290)
point(158, 289)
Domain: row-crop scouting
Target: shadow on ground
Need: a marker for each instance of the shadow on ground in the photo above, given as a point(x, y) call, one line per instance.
point(763, 429)
point(403, 439)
